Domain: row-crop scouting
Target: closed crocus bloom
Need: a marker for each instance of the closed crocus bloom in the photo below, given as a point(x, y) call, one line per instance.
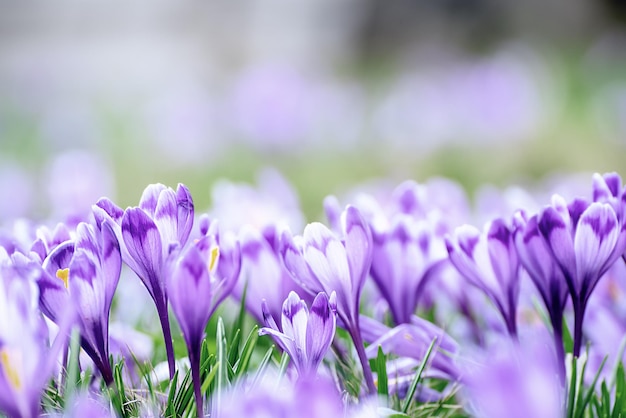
point(321, 262)
point(264, 276)
point(405, 257)
point(585, 239)
point(608, 188)
point(305, 336)
point(546, 275)
point(488, 260)
point(84, 273)
point(163, 219)
point(199, 278)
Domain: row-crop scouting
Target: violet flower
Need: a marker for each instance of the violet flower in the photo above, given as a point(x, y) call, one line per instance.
point(306, 398)
point(405, 257)
point(608, 189)
point(411, 340)
point(516, 380)
point(321, 262)
point(264, 275)
point(200, 277)
point(27, 361)
point(488, 260)
point(47, 240)
point(84, 274)
point(146, 233)
point(305, 336)
point(534, 255)
point(585, 240)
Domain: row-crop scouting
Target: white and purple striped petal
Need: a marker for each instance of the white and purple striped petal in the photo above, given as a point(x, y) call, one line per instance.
point(320, 329)
point(405, 257)
point(488, 260)
point(305, 335)
point(597, 233)
point(358, 244)
point(190, 291)
point(145, 247)
point(264, 275)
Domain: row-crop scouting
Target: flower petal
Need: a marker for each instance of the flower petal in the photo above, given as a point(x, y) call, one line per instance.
point(150, 197)
point(594, 243)
point(166, 217)
point(295, 263)
point(502, 254)
point(144, 246)
point(358, 244)
point(190, 293)
point(554, 230)
point(185, 215)
point(111, 260)
point(295, 316)
point(320, 328)
point(53, 294)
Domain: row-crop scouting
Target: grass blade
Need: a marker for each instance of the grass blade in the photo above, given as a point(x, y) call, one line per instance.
point(222, 363)
point(418, 377)
point(381, 371)
point(169, 410)
point(590, 391)
point(73, 370)
point(573, 386)
point(284, 362)
point(246, 354)
point(262, 366)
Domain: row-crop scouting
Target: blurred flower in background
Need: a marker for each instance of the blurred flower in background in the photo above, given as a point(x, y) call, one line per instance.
point(329, 92)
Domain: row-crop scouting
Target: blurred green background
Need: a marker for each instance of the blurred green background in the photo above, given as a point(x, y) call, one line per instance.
point(107, 97)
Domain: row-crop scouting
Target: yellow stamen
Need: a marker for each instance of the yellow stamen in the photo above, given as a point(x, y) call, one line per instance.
point(215, 254)
point(9, 370)
point(64, 275)
point(408, 337)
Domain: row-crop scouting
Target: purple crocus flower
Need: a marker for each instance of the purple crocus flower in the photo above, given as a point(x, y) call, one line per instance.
point(27, 361)
point(146, 233)
point(305, 336)
point(488, 260)
point(534, 255)
point(311, 397)
point(514, 379)
point(48, 239)
point(411, 340)
point(264, 275)
point(199, 278)
point(405, 257)
point(608, 189)
point(84, 274)
point(585, 239)
point(88, 405)
point(321, 262)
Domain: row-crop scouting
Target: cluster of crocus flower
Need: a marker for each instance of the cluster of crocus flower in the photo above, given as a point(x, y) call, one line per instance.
point(398, 272)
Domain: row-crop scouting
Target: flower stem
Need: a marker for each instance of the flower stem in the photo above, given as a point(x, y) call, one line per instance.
point(167, 336)
point(355, 333)
point(194, 362)
point(557, 328)
point(579, 313)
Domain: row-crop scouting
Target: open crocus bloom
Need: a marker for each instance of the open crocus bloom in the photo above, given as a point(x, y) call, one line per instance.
point(305, 335)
